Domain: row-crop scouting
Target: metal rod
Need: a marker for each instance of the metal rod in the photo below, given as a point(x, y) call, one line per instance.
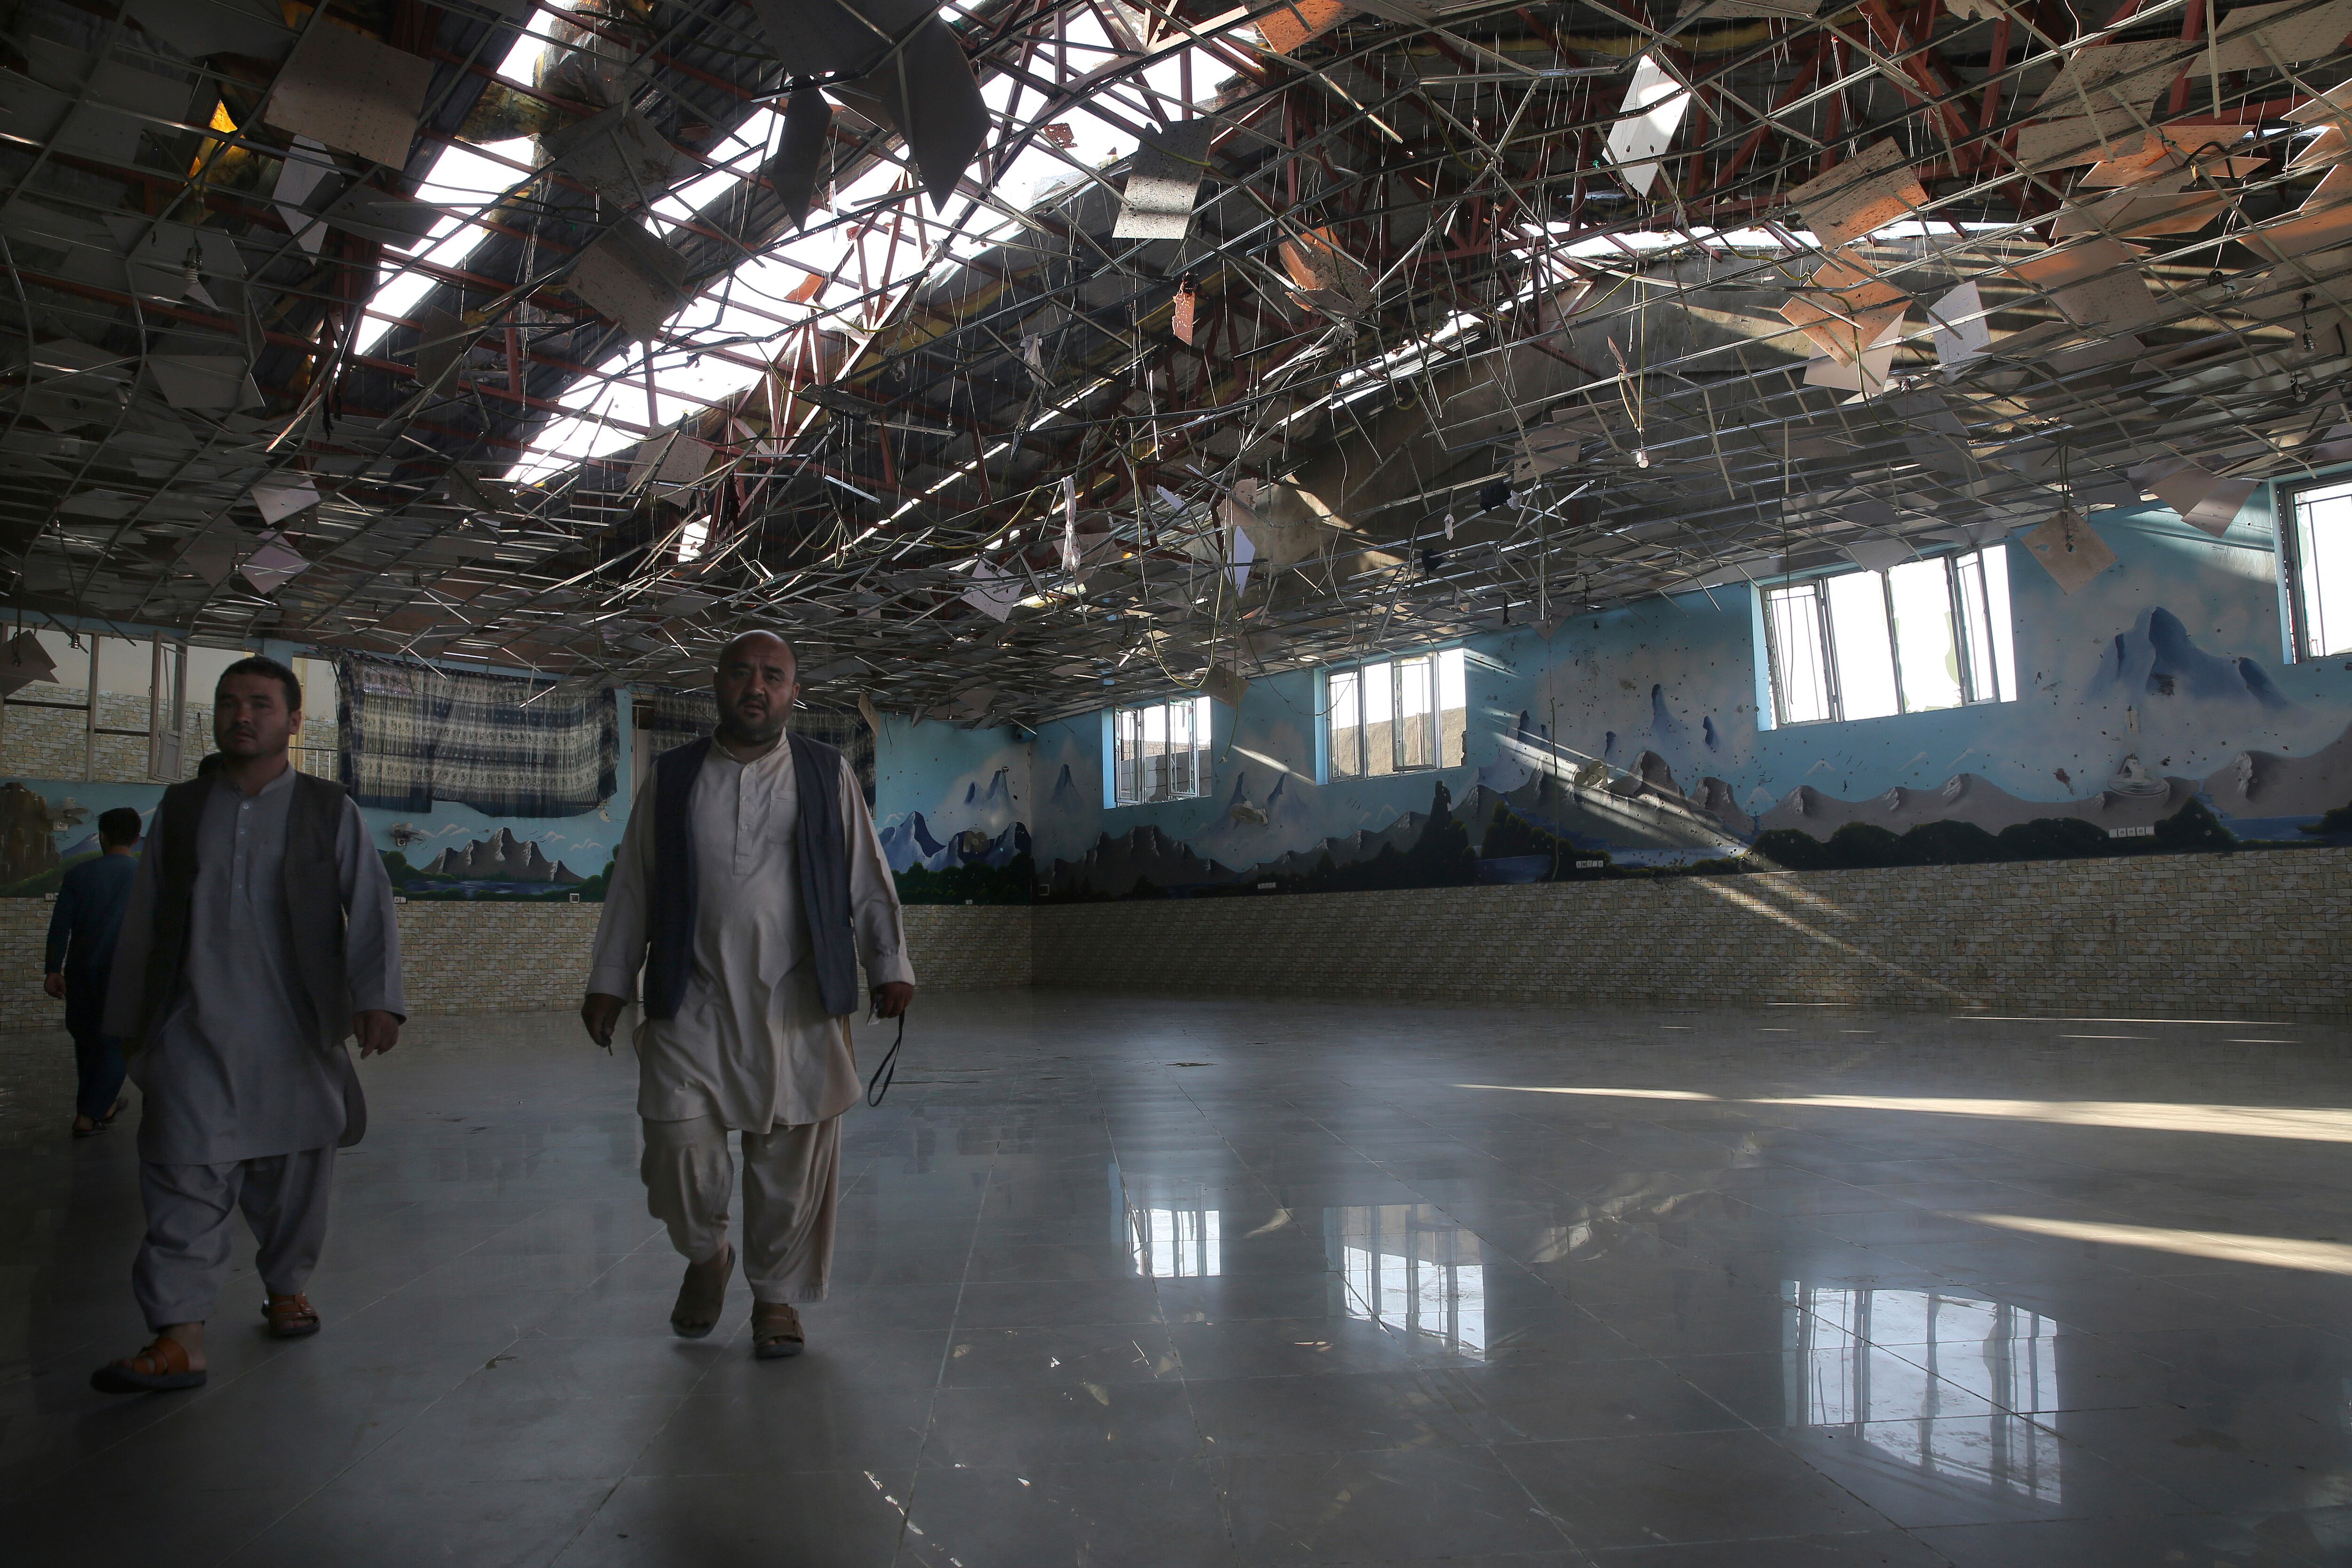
point(90, 718)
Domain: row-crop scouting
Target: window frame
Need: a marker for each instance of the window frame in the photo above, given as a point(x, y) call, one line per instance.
point(1328, 747)
point(1963, 633)
point(2288, 521)
point(1115, 769)
point(1813, 591)
point(168, 695)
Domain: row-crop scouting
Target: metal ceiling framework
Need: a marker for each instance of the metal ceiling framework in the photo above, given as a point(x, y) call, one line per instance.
point(1487, 314)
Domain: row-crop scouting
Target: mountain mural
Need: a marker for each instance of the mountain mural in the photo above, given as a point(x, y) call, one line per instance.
point(2271, 786)
point(1534, 814)
point(909, 846)
point(991, 809)
point(1965, 797)
point(1569, 827)
point(969, 844)
point(2159, 657)
point(1066, 796)
point(1143, 860)
point(1251, 830)
point(2150, 714)
point(908, 843)
point(2256, 792)
point(501, 857)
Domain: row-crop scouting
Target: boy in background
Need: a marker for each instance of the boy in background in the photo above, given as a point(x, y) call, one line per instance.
point(82, 930)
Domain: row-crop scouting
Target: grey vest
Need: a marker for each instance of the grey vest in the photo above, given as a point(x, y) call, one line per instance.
point(311, 886)
point(824, 875)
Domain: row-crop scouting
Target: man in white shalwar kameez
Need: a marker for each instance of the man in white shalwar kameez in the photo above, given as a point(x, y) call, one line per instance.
point(749, 886)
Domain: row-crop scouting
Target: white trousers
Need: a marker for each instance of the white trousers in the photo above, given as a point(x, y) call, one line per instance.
point(792, 1176)
point(191, 1210)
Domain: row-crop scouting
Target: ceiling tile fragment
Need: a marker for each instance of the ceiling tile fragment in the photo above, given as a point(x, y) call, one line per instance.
point(351, 93)
point(1656, 102)
point(205, 383)
point(1164, 182)
point(2070, 550)
point(282, 496)
point(632, 278)
point(1865, 192)
point(618, 153)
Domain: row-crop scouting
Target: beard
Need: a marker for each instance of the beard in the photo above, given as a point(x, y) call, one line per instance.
point(245, 745)
point(751, 729)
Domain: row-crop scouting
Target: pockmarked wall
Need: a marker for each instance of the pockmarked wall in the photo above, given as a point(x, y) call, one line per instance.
point(2156, 713)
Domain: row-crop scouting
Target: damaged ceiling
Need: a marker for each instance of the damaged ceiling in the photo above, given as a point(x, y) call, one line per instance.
point(1020, 355)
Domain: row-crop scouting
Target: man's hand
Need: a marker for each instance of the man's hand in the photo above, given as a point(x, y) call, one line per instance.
point(891, 1000)
point(378, 1031)
point(599, 1013)
point(54, 983)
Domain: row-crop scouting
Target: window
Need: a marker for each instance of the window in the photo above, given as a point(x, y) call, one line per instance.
point(1397, 715)
point(1412, 1268)
point(1910, 1406)
point(82, 706)
point(1175, 1243)
point(2319, 570)
point(1916, 637)
point(1160, 753)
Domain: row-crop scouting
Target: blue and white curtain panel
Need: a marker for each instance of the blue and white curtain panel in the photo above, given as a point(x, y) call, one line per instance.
point(667, 717)
point(412, 736)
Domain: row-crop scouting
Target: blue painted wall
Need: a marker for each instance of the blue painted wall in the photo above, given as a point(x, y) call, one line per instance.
point(2174, 657)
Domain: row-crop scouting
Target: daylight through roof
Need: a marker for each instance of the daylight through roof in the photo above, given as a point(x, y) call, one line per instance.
point(1018, 356)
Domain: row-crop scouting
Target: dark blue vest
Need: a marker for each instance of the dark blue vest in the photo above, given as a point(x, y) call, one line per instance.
point(824, 875)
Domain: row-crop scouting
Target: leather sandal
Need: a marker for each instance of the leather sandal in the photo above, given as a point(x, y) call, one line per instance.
point(159, 1368)
point(776, 1331)
point(701, 1297)
point(290, 1317)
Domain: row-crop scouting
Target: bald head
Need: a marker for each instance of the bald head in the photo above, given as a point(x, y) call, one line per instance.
point(758, 637)
point(756, 682)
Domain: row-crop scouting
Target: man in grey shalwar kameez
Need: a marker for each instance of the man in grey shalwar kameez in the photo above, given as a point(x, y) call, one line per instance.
point(259, 935)
point(749, 886)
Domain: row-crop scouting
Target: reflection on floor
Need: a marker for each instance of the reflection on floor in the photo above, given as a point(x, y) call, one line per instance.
point(1223, 1283)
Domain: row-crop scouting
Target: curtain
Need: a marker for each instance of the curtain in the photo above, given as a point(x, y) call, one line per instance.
point(505, 745)
point(669, 718)
point(846, 733)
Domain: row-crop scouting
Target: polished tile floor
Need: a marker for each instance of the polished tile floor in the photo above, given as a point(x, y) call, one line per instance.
point(1143, 1281)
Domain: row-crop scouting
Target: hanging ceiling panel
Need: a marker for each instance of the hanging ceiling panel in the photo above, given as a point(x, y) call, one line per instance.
point(1488, 314)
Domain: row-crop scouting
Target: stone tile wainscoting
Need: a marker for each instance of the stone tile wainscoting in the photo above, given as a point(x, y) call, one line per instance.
point(23, 928)
point(981, 947)
point(2267, 933)
point(495, 957)
point(520, 958)
point(2200, 935)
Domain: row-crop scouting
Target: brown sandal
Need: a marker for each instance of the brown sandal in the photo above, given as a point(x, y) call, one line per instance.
point(161, 1367)
point(290, 1317)
point(776, 1331)
point(701, 1299)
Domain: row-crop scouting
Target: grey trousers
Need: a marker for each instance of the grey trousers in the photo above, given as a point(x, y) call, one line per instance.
point(190, 1209)
point(792, 1176)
